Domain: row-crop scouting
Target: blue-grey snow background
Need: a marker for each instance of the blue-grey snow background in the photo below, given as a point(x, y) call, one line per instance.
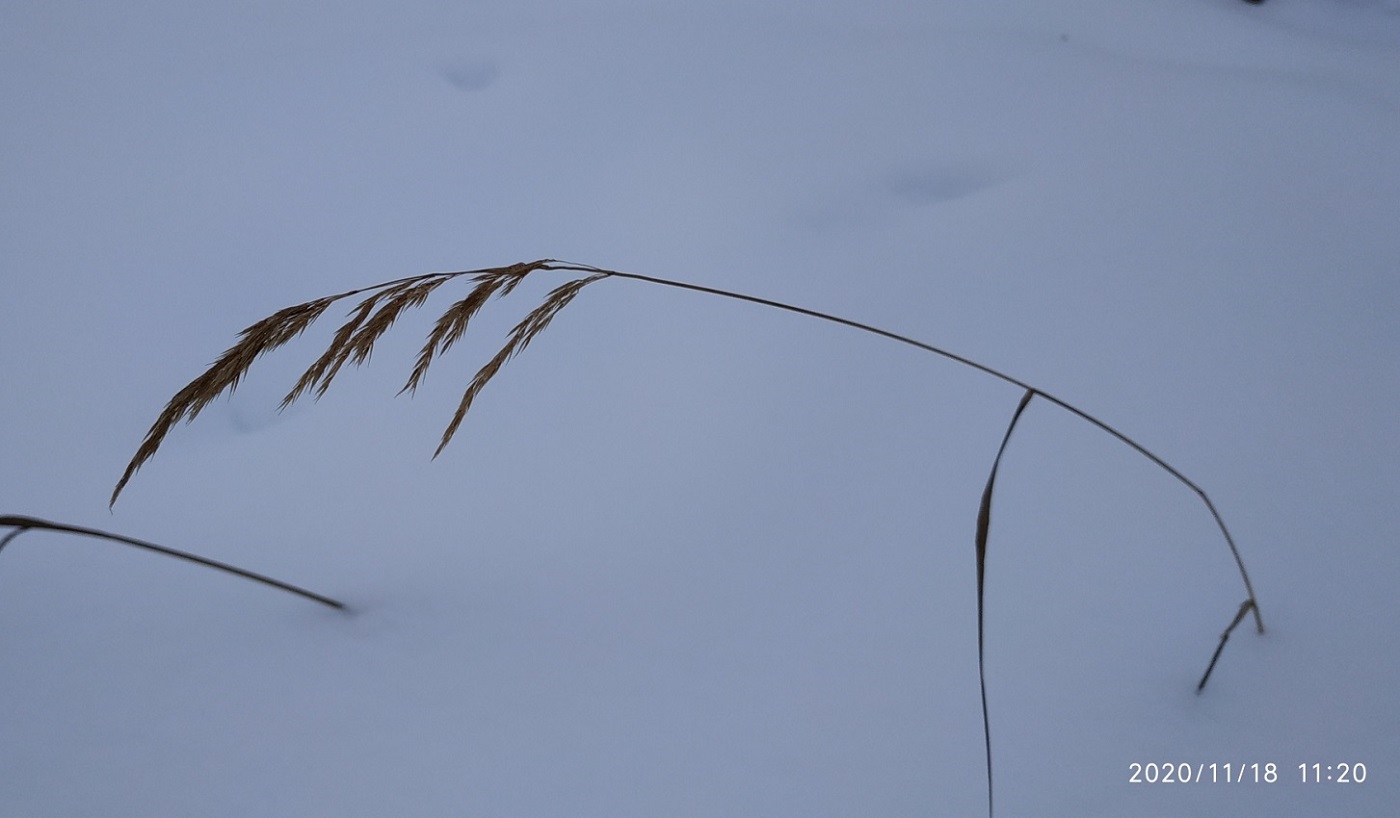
point(689, 557)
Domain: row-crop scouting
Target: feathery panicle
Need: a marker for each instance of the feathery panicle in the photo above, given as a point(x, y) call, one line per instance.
point(353, 341)
point(520, 337)
point(224, 375)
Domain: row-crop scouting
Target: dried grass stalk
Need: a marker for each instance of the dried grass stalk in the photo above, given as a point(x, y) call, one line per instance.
point(377, 312)
point(355, 339)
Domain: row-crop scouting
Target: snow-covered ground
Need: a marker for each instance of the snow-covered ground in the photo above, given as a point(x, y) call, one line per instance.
point(689, 557)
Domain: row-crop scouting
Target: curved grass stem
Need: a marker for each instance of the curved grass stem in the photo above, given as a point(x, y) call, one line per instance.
point(22, 524)
point(984, 525)
point(904, 339)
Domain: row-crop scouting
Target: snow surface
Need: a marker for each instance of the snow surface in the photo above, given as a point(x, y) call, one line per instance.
point(689, 557)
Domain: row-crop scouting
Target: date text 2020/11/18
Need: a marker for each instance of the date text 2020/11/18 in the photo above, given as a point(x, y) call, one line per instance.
point(1169, 772)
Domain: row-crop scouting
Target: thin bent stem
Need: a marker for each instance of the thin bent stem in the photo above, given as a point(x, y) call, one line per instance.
point(984, 525)
point(1224, 637)
point(903, 339)
point(22, 524)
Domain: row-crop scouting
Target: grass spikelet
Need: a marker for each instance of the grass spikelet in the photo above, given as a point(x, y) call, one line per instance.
point(396, 301)
point(520, 337)
point(355, 338)
point(224, 375)
point(320, 373)
point(452, 324)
